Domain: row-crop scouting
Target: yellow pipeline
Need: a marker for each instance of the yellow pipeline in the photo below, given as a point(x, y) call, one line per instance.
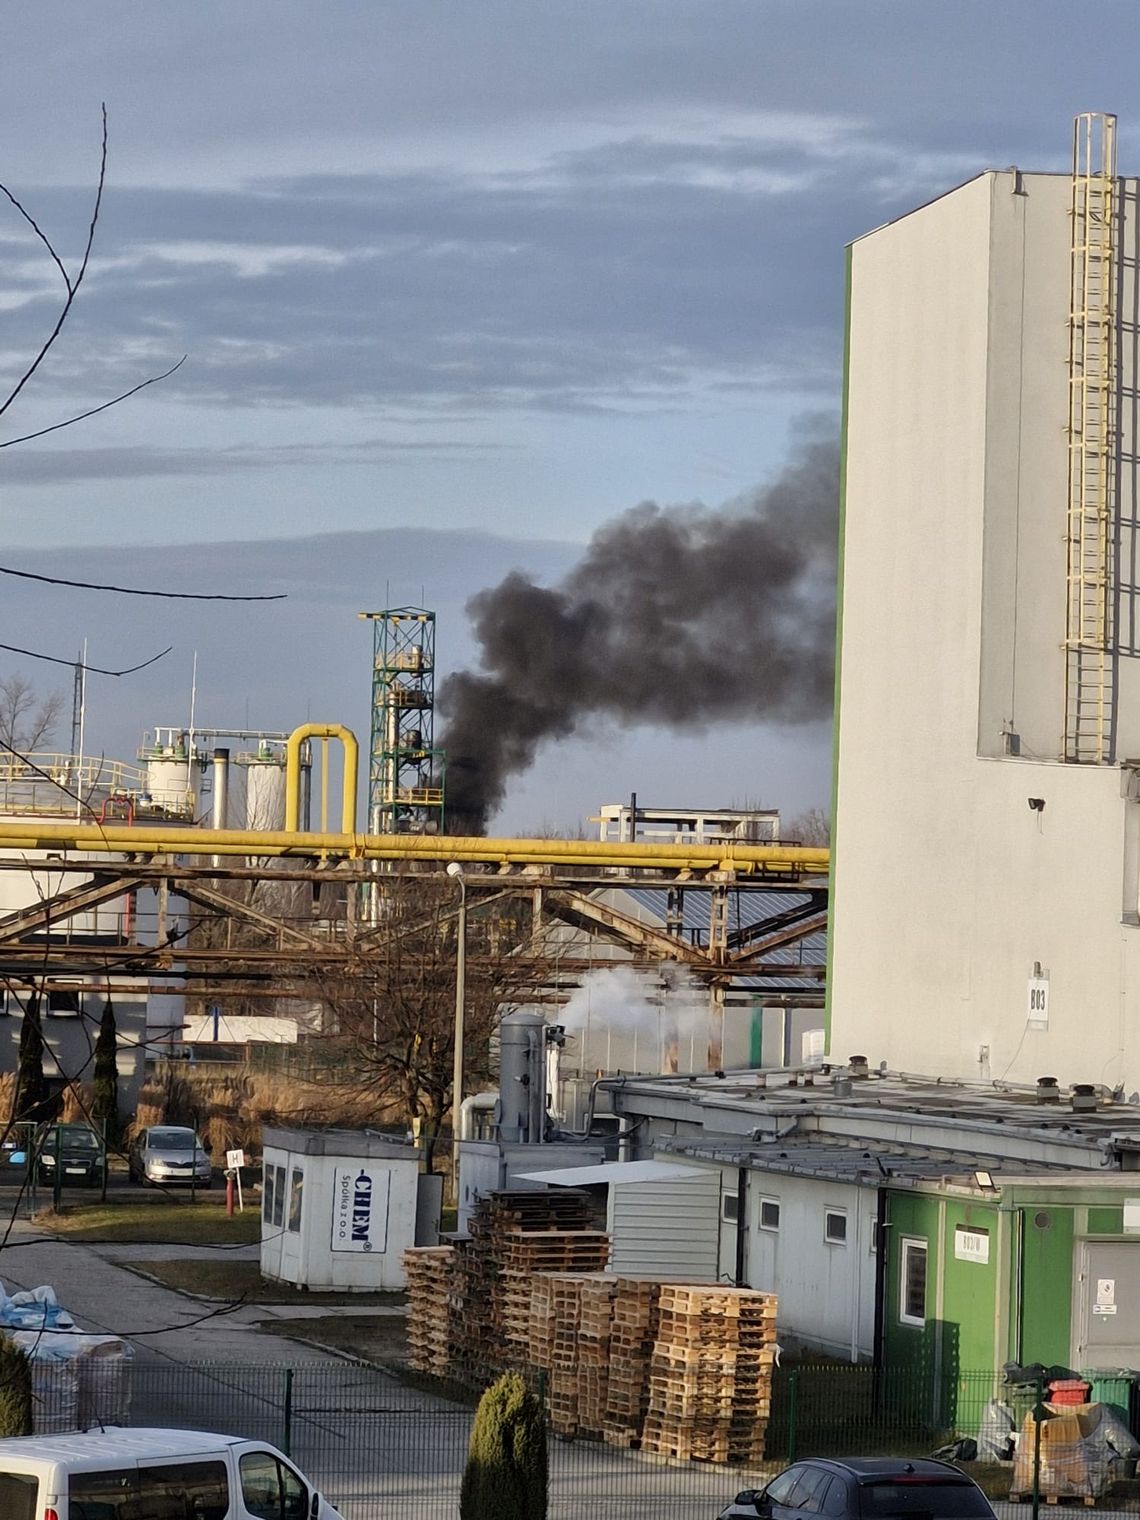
point(293, 777)
point(159, 839)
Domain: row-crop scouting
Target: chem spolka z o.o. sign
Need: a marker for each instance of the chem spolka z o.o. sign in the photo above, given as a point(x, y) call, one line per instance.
point(360, 1208)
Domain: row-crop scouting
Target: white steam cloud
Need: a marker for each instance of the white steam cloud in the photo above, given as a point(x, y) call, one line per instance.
point(623, 1019)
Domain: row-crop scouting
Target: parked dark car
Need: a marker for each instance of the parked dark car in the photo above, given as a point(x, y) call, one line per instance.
point(864, 1488)
point(168, 1153)
point(76, 1149)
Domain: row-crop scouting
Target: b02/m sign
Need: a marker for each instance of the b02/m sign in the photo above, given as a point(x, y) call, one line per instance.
point(360, 1208)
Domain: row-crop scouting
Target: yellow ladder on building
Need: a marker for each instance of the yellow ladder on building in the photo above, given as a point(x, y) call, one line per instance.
point(1092, 442)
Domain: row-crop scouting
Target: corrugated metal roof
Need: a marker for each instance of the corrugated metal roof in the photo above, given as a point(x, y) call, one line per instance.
point(615, 1171)
point(866, 1165)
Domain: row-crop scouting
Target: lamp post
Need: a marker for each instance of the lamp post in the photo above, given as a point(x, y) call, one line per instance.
point(455, 871)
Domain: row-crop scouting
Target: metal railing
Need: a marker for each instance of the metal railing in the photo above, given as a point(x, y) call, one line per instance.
point(377, 1446)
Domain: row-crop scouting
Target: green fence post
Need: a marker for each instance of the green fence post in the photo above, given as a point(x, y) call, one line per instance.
point(1037, 1447)
point(793, 1401)
point(287, 1417)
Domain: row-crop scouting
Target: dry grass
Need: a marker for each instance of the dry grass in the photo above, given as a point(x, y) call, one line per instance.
point(230, 1112)
point(77, 1100)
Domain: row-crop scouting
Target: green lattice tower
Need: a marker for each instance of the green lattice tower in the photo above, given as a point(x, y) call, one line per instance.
point(405, 771)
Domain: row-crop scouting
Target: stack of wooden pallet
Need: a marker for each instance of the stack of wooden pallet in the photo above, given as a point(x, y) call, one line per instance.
point(562, 1387)
point(710, 1374)
point(430, 1270)
point(595, 1317)
point(633, 1330)
point(513, 1237)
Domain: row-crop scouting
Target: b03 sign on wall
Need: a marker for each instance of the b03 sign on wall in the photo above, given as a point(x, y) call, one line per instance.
point(360, 1208)
point(1037, 1003)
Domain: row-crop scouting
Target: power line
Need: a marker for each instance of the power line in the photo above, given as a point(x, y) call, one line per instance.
point(97, 670)
point(177, 596)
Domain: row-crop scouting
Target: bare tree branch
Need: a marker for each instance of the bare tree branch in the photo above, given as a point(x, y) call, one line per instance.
point(71, 285)
point(94, 411)
point(27, 720)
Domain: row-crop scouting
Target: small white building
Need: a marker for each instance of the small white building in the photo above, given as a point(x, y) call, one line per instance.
point(340, 1208)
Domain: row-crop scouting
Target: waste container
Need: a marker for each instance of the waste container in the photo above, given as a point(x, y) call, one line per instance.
point(1119, 1388)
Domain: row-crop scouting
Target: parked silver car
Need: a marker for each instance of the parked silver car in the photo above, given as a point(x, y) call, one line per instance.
point(166, 1153)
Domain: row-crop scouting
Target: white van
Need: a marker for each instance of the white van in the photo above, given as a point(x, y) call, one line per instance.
point(128, 1474)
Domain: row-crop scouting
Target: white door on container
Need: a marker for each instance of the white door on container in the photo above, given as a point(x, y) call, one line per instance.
point(1106, 1318)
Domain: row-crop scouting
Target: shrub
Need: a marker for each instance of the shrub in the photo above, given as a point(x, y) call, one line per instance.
point(506, 1477)
point(15, 1390)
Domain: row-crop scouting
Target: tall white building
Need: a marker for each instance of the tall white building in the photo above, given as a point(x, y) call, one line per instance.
point(987, 848)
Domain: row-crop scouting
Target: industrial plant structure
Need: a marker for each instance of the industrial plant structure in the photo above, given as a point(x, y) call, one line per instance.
point(987, 843)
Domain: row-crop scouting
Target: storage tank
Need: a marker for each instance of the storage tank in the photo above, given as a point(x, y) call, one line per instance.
point(170, 771)
point(522, 1079)
point(264, 788)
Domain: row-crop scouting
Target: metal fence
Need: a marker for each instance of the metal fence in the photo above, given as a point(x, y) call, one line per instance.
point(379, 1448)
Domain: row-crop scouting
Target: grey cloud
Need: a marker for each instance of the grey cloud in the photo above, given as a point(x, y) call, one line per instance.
point(29, 466)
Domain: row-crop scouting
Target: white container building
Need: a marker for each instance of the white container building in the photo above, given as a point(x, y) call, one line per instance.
point(340, 1208)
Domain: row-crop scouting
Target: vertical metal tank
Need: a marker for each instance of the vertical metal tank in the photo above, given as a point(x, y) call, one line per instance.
point(170, 770)
point(522, 1079)
point(264, 789)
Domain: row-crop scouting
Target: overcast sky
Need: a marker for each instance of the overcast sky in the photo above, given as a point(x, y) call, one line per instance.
point(442, 270)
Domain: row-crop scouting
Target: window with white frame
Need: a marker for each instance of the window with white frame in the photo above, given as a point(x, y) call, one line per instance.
point(912, 1282)
point(835, 1227)
point(770, 1214)
point(730, 1208)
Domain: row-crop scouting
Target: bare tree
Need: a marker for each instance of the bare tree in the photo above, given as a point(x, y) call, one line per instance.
point(27, 719)
point(393, 1006)
point(811, 827)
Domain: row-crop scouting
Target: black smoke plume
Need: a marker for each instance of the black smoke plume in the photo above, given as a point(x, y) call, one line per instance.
point(682, 616)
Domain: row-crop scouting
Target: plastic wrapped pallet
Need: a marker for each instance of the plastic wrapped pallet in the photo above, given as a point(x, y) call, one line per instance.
point(103, 1363)
point(1080, 1446)
point(55, 1380)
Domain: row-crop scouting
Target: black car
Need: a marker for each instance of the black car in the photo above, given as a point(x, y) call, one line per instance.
point(864, 1488)
point(76, 1149)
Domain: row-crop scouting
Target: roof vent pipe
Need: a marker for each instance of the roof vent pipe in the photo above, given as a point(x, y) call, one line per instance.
point(1048, 1090)
point(1084, 1098)
point(858, 1066)
point(842, 1087)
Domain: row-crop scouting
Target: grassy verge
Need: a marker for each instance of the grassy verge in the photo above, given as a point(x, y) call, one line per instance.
point(229, 1280)
point(381, 1340)
point(168, 1222)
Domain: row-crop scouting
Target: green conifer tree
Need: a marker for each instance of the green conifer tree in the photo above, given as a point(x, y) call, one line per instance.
point(506, 1477)
point(15, 1390)
point(105, 1100)
point(31, 1087)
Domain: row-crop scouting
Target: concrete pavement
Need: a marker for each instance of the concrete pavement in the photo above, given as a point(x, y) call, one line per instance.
point(160, 1323)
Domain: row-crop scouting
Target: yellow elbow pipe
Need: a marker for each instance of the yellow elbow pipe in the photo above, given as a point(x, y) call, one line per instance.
point(293, 772)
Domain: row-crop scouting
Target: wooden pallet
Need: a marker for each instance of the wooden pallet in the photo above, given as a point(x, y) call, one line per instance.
point(1086, 1499)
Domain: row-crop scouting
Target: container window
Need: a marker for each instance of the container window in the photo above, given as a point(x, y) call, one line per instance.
point(730, 1208)
point(912, 1283)
point(269, 1194)
point(835, 1227)
point(770, 1214)
point(295, 1194)
point(279, 1196)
